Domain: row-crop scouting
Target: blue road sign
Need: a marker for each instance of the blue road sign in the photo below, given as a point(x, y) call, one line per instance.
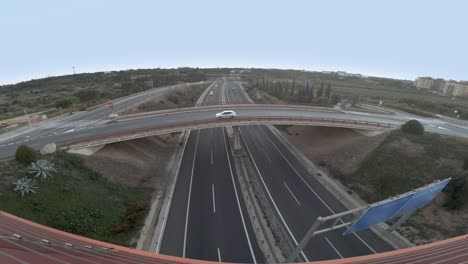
point(378, 213)
point(397, 206)
point(422, 197)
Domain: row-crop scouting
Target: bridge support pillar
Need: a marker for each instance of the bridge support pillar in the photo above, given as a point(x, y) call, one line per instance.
point(236, 138)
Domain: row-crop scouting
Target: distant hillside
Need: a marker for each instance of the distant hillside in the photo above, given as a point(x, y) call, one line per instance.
point(77, 92)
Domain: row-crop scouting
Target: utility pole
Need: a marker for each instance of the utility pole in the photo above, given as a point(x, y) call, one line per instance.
point(74, 70)
point(27, 117)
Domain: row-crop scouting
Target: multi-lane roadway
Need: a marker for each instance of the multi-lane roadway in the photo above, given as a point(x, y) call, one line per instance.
point(207, 218)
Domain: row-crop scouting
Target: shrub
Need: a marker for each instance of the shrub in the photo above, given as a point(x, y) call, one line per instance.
point(413, 127)
point(456, 192)
point(25, 155)
point(173, 99)
point(42, 169)
point(25, 186)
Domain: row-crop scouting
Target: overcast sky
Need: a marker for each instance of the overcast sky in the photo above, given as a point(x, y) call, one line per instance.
point(394, 38)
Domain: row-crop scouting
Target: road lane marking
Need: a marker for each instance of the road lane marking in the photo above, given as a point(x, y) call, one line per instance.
point(214, 200)
point(211, 151)
point(313, 191)
point(334, 248)
point(189, 194)
point(271, 198)
point(238, 202)
point(266, 154)
point(287, 187)
point(219, 256)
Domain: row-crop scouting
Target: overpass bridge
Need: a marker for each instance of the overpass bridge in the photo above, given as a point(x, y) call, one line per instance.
point(257, 115)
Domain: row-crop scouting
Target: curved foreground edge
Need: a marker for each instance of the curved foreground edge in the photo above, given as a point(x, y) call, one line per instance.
point(23, 241)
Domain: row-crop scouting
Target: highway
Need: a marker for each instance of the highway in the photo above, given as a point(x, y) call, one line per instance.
point(79, 122)
point(207, 219)
point(297, 197)
point(94, 123)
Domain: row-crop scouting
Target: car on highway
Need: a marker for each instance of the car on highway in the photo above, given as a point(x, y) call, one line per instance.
point(211, 92)
point(226, 114)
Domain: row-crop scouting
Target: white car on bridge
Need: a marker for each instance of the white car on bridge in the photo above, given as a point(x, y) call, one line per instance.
point(226, 114)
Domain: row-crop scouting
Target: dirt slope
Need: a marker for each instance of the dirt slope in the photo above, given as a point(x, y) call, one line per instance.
point(139, 162)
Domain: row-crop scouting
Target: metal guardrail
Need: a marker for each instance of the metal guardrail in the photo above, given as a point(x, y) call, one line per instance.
point(223, 107)
point(207, 123)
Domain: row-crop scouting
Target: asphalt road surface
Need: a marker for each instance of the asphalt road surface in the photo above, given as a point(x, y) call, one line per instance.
point(207, 219)
point(297, 198)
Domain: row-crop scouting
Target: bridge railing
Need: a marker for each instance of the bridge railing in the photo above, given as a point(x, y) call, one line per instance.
point(215, 122)
point(224, 107)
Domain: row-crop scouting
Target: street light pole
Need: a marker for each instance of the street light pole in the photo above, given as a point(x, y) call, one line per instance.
point(27, 117)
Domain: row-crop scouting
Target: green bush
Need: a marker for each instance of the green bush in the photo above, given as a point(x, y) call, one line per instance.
point(173, 98)
point(66, 102)
point(413, 127)
point(25, 155)
point(456, 192)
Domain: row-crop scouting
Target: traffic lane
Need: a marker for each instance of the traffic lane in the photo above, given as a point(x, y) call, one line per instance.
point(215, 229)
point(377, 243)
point(200, 241)
point(174, 231)
point(175, 226)
point(201, 116)
point(297, 178)
point(7, 150)
point(248, 225)
point(297, 212)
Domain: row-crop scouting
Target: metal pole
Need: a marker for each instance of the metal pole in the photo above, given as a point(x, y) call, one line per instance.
point(27, 117)
point(399, 222)
point(310, 234)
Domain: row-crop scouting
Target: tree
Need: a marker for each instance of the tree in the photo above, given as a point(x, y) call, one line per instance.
point(66, 102)
point(87, 95)
point(335, 98)
point(320, 90)
point(25, 155)
point(328, 91)
point(413, 127)
point(25, 186)
point(456, 192)
point(293, 86)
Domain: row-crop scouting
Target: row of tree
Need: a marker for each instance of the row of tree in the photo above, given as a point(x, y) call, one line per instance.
point(304, 93)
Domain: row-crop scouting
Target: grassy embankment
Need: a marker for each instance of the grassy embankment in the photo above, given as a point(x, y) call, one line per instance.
point(76, 200)
point(404, 162)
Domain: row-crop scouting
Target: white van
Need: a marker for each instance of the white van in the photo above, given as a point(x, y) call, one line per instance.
point(211, 92)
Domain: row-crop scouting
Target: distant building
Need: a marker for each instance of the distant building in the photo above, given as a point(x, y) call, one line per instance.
point(341, 73)
point(438, 84)
point(424, 83)
point(455, 88)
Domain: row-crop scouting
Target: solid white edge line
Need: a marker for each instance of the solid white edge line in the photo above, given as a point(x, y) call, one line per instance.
point(310, 188)
point(238, 201)
point(219, 256)
point(189, 194)
point(271, 198)
point(163, 228)
point(334, 248)
point(287, 187)
point(214, 200)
